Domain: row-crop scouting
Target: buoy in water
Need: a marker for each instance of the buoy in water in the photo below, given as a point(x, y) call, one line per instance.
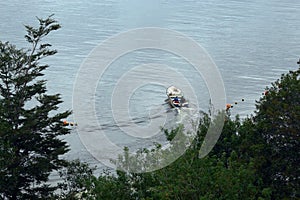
point(228, 106)
point(66, 123)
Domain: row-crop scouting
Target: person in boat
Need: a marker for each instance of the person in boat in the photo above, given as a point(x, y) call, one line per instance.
point(176, 99)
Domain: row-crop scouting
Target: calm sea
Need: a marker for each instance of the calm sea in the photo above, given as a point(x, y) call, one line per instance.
point(252, 43)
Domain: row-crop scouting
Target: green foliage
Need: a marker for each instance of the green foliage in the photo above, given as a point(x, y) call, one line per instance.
point(220, 175)
point(76, 178)
point(170, 135)
point(223, 174)
point(30, 147)
point(155, 157)
point(278, 122)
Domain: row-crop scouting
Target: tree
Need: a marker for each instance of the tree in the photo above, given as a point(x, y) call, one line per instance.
point(277, 120)
point(30, 146)
point(222, 174)
point(76, 177)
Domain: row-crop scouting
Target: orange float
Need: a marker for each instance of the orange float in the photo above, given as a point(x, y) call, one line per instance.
point(228, 106)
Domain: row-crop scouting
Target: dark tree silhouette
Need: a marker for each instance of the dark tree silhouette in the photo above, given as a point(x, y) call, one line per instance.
point(278, 122)
point(29, 123)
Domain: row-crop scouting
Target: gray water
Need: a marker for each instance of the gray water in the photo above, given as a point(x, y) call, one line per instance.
point(252, 42)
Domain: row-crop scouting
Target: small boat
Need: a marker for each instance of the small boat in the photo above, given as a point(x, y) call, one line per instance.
point(176, 98)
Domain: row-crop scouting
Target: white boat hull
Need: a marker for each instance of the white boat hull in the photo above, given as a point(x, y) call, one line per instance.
point(176, 98)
